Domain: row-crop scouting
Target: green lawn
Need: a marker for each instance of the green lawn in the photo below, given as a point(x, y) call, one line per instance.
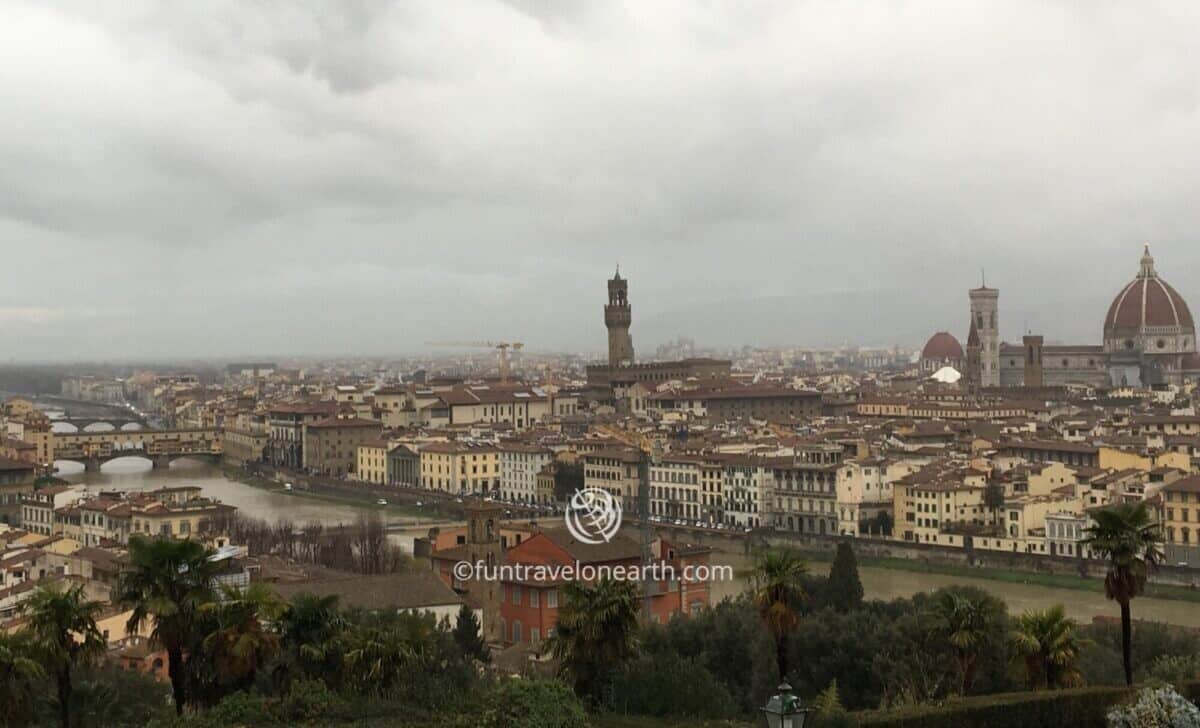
point(1062, 581)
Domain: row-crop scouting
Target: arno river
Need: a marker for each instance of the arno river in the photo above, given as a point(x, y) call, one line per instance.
point(136, 474)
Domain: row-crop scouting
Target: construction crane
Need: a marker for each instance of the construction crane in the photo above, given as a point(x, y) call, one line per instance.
point(501, 347)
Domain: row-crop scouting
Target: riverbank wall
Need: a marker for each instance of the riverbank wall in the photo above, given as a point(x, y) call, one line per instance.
point(365, 493)
point(741, 542)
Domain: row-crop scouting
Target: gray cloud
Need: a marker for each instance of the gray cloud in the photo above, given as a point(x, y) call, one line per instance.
point(258, 177)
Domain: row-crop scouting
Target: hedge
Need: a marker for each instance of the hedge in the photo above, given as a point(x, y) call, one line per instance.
point(1075, 708)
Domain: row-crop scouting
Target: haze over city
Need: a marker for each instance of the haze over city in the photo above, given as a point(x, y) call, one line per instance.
point(234, 178)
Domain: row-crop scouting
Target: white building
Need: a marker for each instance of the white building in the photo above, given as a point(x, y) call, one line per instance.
point(520, 464)
point(675, 488)
point(746, 487)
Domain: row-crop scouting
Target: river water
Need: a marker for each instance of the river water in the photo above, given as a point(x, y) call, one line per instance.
point(136, 474)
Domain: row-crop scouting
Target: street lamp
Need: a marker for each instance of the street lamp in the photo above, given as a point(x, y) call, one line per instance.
point(783, 710)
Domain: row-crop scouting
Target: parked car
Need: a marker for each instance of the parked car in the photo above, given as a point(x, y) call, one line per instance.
point(381, 502)
point(287, 486)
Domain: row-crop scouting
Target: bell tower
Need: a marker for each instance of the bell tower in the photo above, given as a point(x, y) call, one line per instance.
point(485, 546)
point(1034, 376)
point(985, 315)
point(617, 317)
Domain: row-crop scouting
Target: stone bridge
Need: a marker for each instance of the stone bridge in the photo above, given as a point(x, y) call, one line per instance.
point(117, 423)
point(160, 447)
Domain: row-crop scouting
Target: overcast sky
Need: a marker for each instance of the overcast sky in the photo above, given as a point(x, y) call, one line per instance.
point(269, 178)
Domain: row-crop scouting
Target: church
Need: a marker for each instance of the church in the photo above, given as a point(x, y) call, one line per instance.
point(1149, 338)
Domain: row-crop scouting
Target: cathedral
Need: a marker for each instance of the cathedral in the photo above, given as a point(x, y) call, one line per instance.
point(1149, 338)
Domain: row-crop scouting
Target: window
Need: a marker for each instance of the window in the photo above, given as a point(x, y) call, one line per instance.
point(533, 596)
point(552, 598)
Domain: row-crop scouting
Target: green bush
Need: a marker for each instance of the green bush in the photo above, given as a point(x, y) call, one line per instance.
point(1175, 668)
point(665, 684)
point(307, 700)
point(241, 708)
point(1080, 707)
point(235, 709)
point(533, 704)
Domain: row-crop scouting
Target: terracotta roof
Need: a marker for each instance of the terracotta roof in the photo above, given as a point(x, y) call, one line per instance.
point(457, 447)
point(942, 345)
point(620, 548)
point(10, 464)
point(1190, 484)
point(304, 408)
point(335, 422)
point(384, 591)
point(1148, 301)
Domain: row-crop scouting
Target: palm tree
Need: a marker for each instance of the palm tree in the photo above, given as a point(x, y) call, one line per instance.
point(964, 619)
point(1129, 538)
point(19, 676)
point(167, 583)
point(62, 625)
point(378, 657)
point(239, 643)
point(596, 632)
point(311, 631)
point(1046, 643)
point(777, 591)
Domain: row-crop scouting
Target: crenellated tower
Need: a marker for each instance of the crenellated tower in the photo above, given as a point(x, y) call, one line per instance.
point(617, 317)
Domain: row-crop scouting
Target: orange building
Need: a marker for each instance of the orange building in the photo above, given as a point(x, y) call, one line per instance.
point(529, 605)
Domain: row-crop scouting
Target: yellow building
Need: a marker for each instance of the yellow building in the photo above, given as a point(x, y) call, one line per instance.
point(460, 467)
point(1111, 457)
point(1181, 512)
point(614, 469)
point(545, 484)
point(924, 504)
point(183, 520)
point(372, 462)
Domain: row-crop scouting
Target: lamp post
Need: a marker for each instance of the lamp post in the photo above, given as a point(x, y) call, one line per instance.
point(783, 710)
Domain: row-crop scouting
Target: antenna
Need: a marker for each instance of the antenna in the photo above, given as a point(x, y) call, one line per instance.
point(982, 278)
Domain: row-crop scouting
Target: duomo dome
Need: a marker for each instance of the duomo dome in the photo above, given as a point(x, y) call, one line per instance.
point(1148, 317)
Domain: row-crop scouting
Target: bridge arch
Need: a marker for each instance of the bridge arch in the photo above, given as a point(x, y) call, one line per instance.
point(160, 447)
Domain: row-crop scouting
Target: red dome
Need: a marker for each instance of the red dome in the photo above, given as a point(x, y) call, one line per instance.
point(942, 346)
point(1148, 301)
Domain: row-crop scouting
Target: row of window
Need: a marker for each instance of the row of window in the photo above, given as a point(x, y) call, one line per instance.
point(515, 593)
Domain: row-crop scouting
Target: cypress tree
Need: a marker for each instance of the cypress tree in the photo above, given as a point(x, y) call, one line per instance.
point(845, 588)
point(467, 637)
